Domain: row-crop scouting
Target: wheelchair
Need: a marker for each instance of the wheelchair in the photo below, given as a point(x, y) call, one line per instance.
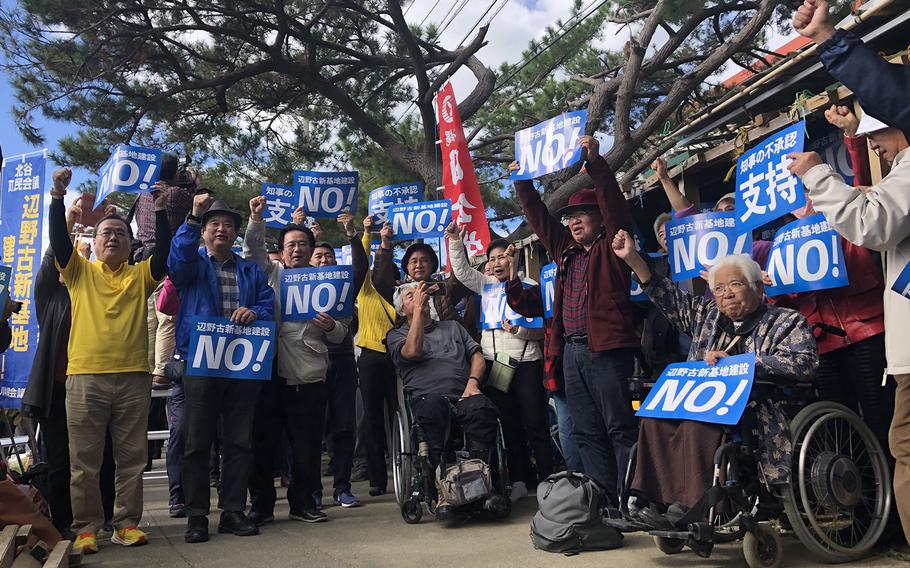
point(414, 478)
point(837, 502)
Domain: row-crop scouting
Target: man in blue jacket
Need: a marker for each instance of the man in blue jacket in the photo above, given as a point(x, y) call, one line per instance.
point(881, 87)
point(213, 281)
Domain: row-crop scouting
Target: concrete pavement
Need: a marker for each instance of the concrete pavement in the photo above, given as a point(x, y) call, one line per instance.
point(375, 536)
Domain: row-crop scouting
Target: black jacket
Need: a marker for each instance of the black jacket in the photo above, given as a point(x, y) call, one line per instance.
point(52, 305)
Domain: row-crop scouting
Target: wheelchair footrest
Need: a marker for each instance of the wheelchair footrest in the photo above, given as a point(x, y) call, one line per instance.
point(626, 525)
point(680, 535)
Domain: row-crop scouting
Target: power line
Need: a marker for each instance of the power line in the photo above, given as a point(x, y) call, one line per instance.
point(428, 13)
point(485, 12)
point(554, 41)
point(452, 19)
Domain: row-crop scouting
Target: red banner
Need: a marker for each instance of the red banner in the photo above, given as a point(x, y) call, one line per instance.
point(458, 179)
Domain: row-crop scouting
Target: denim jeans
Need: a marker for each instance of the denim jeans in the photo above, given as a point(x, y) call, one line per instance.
point(566, 438)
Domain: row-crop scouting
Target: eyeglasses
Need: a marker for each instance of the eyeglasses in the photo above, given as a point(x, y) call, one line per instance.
point(734, 286)
point(569, 217)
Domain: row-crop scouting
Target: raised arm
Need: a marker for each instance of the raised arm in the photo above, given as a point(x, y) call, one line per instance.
point(158, 262)
point(383, 271)
point(359, 259)
point(554, 237)
point(614, 209)
point(677, 200)
point(57, 227)
point(472, 279)
point(183, 260)
point(254, 238)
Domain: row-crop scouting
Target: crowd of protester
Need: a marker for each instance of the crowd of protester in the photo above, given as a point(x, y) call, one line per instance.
point(117, 327)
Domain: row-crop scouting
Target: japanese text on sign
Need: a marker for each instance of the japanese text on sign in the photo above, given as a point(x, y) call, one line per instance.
point(326, 194)
point(700, 240)
point(384, 197)
point(765, 188)
point(306, 292)
point(495, 309)
point(694, 390)
point(280, 203)
point(547, 287)
point(224, 349)
point(549, 146)
point(420, 220)
point(806, 255)
point(130, 169)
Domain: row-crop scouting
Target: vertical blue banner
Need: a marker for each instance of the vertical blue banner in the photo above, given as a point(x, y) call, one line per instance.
point(696, 242)
point(765, 188)
point(23, 183)
point(130, 169)
point(326, 194)
point(280, 202)
point(547, 287)
point(384, 197)
point(549, 146)
point(806, 255)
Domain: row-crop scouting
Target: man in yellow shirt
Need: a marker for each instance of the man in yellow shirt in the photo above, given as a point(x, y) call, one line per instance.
point(108, 385)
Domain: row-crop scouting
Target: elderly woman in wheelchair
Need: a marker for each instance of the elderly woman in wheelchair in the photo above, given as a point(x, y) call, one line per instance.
point(441, 368)
point(696, 483)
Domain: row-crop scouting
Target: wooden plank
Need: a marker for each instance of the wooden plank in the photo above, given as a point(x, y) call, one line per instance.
point(8, 546)
point(22, 535)
point(60, 556)
point(25, 560)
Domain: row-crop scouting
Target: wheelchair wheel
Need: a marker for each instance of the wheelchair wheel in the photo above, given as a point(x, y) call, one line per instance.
point(669, 545)
point(839, 496)
point(402, 458)
point(763, 548)
point(411, 511)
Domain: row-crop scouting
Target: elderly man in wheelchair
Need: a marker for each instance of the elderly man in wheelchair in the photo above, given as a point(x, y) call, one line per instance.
point(689, 482)
point(442, 369)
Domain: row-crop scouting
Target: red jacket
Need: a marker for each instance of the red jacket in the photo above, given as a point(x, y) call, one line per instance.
point(609, 322)
point(856, 308)
point(529, 303)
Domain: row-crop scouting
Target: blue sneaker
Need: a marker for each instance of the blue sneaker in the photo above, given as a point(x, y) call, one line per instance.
point(317, 498)
point(345, 499)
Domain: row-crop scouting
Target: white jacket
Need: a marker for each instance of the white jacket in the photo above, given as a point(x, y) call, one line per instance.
point(303, 356)
point(512, 344)
point(878, 220)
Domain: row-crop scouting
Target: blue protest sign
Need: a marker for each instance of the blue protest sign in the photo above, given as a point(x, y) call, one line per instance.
point(384, 197)
point(765, 188)
point(700, 240)
point(227, 350)
point(130, 169)
point(806, 255)
point(834, 152)
point(280, 202)
point(638, 293)
point(549, 146)
point(306, 292)
point(902, 282)
point(420, 220)
point(547, 287)
point(22, 197)
point(494, 308)
point(326, 194)
point(6, 274)
point(694, 390)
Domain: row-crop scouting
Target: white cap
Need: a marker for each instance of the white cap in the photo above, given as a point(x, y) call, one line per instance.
point(869, 123)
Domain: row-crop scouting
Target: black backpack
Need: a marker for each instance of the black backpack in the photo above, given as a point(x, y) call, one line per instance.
point(570, 516)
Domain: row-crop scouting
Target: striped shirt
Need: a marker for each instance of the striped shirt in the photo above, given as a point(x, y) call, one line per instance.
point(575, 293)
point(226, 274)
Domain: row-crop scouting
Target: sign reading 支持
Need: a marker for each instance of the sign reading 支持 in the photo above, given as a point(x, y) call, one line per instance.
point(130, 169)
point(765, 188)
point(495, 308)
point(422, 220)
point(547, 287)
point(384, 197)
point(224, 349)
point(694, 390)
point(326, 194)
point(806, 255)
point(306, 292)
point(549, 146)
point(700, 240)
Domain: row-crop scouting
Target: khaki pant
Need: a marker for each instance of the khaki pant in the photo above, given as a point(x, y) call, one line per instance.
point(162, 336)
point(94, 404)
point(899, 442)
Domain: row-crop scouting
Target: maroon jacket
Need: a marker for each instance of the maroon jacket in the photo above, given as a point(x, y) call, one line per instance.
point(609, 322)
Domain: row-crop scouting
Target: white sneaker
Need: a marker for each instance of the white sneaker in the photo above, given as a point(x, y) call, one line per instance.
point(519, 491)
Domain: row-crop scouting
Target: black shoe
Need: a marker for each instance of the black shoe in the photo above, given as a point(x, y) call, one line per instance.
point(260, 519)
point(197, 530)
point(359, 473)
point(234, 522)
point(177, 511)
point(309, 516)
point(445, 512)
point(377, 491)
